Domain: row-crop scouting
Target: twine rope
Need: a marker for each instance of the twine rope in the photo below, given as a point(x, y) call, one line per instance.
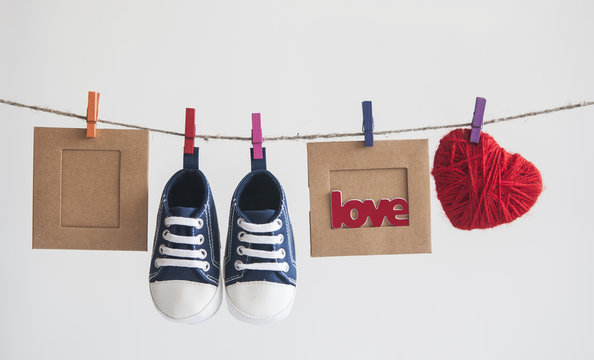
point(299, 136)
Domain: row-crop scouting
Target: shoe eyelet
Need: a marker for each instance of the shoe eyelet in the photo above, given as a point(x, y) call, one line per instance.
point(240, 221)
point(207, 267)
point(200, 239)
point(165, 234)
point(161, 249)
point(281, 238)
point(157, 263)
point(283, 253)
point(286, 267)
point(279, 222)
point(203, 253)
point(237, 263)
point(200, 223)
point(240, 235)
point(240, 250)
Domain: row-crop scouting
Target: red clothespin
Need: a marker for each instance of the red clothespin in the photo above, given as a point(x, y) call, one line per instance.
point(477, 120)
point(92, 114)
point(190, 131)
point(257, 135)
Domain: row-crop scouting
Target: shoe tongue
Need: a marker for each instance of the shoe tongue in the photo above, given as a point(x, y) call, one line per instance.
point(259, 216)
point(184, 211)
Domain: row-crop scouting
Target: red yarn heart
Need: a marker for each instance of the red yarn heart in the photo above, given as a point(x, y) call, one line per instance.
point(482, 185)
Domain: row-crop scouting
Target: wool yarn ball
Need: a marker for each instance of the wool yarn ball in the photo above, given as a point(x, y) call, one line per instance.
point(482, 185)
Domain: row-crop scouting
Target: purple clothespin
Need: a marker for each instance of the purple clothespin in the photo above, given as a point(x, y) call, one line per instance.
point(477, 120)
point(367, 123)
point(257, 135)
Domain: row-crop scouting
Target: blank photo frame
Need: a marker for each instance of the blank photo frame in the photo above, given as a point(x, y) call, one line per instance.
point(90, 193)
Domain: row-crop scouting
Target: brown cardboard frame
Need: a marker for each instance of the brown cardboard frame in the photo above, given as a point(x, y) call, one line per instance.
point(384, 159)
point(90, 193)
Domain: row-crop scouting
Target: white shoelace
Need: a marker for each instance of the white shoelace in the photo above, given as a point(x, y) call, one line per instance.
point(179, 239)
point(254, 238)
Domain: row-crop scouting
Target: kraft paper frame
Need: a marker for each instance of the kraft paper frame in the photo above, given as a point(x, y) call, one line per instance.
point(90, 193)
point(407, 159)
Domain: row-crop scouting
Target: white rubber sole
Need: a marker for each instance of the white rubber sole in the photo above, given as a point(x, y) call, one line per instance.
point(209, 310)
point(239, 315)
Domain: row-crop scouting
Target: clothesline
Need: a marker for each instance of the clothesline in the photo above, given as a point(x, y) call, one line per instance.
point(299, 136)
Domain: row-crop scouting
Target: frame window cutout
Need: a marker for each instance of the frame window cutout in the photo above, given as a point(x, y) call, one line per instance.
point(90, 188)
point(369, 197)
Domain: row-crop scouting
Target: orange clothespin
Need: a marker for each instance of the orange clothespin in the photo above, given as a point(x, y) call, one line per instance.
point(92, 114)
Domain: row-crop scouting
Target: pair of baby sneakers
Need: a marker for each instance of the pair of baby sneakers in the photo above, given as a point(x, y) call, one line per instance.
point(258, 270)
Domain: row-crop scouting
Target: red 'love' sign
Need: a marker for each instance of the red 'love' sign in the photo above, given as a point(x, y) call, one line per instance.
point(395, 210)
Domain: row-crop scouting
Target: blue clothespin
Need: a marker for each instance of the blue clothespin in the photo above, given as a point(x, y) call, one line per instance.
point(477, 120)
point(367, 123)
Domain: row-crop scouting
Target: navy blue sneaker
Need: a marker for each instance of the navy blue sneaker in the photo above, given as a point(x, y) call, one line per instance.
point(260, 267)
point(184, 277)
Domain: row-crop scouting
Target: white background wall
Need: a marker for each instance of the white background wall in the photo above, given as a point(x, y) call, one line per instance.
point(519, 291)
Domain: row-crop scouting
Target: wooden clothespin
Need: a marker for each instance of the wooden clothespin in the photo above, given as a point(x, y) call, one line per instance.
point(190, 152)
point(190, 134)
point(257, 136)
point(92, 114)
point(257, 152)
point(367, 123)
point(477, 120)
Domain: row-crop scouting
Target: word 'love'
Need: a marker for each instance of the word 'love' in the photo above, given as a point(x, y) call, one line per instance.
point(395, 210)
